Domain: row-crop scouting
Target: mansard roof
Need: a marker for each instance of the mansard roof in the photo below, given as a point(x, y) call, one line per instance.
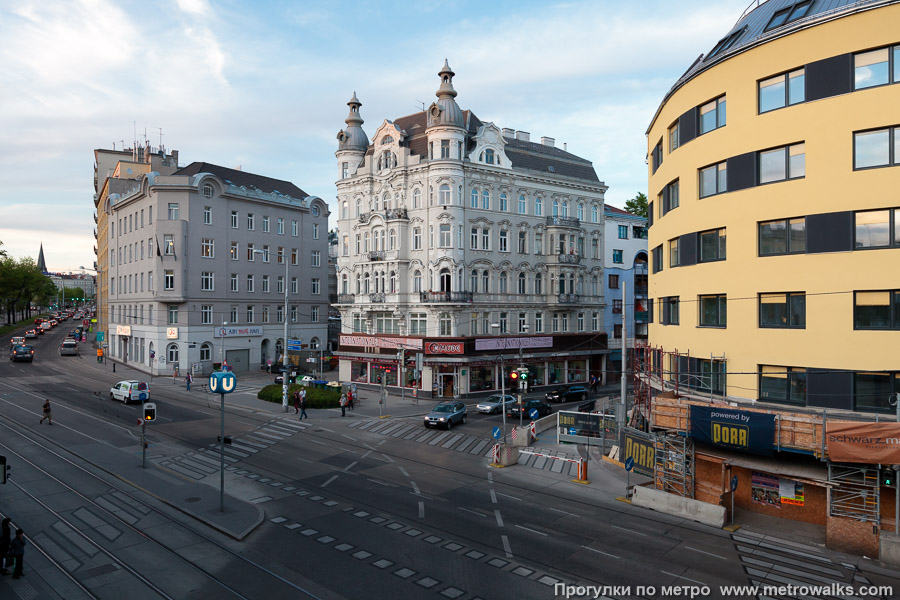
point(245, 179)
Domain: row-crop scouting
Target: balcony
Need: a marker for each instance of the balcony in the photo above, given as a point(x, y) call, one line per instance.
point(563, 222)
point(377, 298)
point(376, 255)
point(364, 218)
point(346, 298)
point(396, 213)
point(568, 298)
point(567, 259)
point(458, 297)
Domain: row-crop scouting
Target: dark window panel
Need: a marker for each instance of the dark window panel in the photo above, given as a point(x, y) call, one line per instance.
point(741, 171)
point(829, 232)
point(687, 126)
point(687, 250)
point(829, 77)
point(830, 389)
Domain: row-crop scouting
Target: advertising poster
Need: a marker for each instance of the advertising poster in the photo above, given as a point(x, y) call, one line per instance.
point(791, 492)
point(764, 489)
point(741, 430)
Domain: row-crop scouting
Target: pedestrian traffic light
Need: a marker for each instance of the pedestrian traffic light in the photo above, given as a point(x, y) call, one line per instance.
point(149, 411)
point(4, 470)
point(887, 476)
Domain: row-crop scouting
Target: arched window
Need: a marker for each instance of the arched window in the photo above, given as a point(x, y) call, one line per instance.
point(565, 209)
point(387, 202)
point(172, 354)
point(358, 206)
point(595, 290)
point(562, 283)
point(417, 281)
point(366, 283)
point(345, 284)
point(473, 201)
point(417, 198)
point(538, 283)
point(485, 281)
point(358, 283)
point(445, 324)
point(381, 245)
point(555, 208)
point(504, 203)
point(473, 281)
point(521, 283)
point(392, 239)
point(580, 289)
point(594, 213)
point(580, 213)
point(503, 282)
point(444, 195)
point(314, 343)
point(489, 156)
point(393, 288)
point(376, 204)
point(538, 207)
point(366, 242)
point(486, 199)
point(445, 280)
point(345, 210)
point(206, 351)
point(522, 205)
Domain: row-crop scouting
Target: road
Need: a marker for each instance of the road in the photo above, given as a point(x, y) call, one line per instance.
point(354, 508)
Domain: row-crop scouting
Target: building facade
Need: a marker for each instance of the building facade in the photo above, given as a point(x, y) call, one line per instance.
point(458, 239)
point(781, 145)
point(200, 264)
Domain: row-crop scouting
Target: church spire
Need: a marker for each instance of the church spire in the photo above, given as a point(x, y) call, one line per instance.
point(41, 265)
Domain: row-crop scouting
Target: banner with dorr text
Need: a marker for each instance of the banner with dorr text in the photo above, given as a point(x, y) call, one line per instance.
point(740, 430)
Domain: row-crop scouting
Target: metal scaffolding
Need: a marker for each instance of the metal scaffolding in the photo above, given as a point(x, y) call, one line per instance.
point(675, 464)
point(856, 492)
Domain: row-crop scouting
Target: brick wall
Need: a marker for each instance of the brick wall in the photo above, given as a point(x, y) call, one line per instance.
point(855, 537)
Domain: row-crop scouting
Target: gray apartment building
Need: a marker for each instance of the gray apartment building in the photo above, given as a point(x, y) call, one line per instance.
point(198, 265)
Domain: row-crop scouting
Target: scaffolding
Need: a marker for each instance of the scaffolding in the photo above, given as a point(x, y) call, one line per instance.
point(675, 464)
point(856, 492)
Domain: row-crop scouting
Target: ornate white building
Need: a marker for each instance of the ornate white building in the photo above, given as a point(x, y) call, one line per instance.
point(453, 235)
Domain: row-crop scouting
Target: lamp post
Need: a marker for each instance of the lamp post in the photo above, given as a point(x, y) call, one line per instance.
point(284, 358)
point(502, 386)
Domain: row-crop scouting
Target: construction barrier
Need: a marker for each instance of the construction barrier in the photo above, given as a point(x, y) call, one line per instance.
point(582, 464)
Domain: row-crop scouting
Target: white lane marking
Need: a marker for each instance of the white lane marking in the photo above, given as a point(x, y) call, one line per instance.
point(350, 466)
point(275, 451)
point(629, 530)
point(532, 530)
point(705, 552)
point(333, 477)
point(471, 511)
point(368, 452)
point(506, 546)
point(388, 458)
point(508, 496)
point(346, 450)
point(682, 577)
point(381, 442)
point(493, 497)
point(561, 511)
point(369, 447)
point(601, 552)
point(490, 477)
point(318, 442)
point(304, 460)
point(421, 510)
point(384, 483)
point(349, 437)
point(415, 488)
point(326, 429)
point(499, 518)
point(402, 470)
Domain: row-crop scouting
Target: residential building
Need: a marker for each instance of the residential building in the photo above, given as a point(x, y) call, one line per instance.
point(199, 266)
point(781, 145)
point(465, 245)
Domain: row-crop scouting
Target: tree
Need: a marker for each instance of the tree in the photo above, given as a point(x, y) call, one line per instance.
point(637, 205)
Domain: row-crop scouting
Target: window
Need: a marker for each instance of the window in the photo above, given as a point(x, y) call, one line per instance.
point(712, 115)
point(538, 283)
point(294, 256)
point(538, 243)
point(726, 42)
point(782, 384)
point(617, 306)
point(250, 313)
point(623, 232)
point(873, 391)
point(594, 213)
point(782, 237)
point(667, 199)
point(207, 281)
point(168, 244)
point(614, 282)
point(486, 199)
point(444, 235)
point(173, 314)
point(417, 323)
point(617, 256)
point(445, 148)
point(279, 226)
point(251, 222)
point(206, 311)
point(522, 282)
point(712, 245)
point(293, 313)
point(876, 310)
point(713, 180)
point(265, 223)
point(207, 191)
point(234, 282)
point(295, 230)
point(617, 331)
point(504, 203)
point(233, 315)
point(294, 287)
point(169, 279)
point(504, 322)
point(444, 195)
point(473, 199)
point(250, 283)
point(265, 284)
point(523, 242)
point(876, 148)
point(316, 287)
point(315, 231)
point(657, 155)
point(668, 310)
point(657, 257)
point(445, 324)
point(207, 215)
point(874, 67)
point(779, 164)
point(538, 207)
point(782, 90)
point(234, 219)
point(251, 253)
point(279, 284)
point(489, 156)
point(712, 311)
point(485, 281)
point(873, 228)
point(173, 211)
point(673, 137)
point(504, 282)
point(539, 322)
point(485, 239)
point(782, 310)
point(673, 253)
point(172, 353)
point(504, 241)
point(317, 258)
point(417, 238)
point(207, 248)
point(522, 205)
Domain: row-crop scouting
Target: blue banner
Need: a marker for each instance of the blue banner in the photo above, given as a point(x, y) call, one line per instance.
point(739, 430)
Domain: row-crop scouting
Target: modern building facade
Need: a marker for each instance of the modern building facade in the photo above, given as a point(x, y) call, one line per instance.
point(460, 242)
point(775, 268)
point(199, 264)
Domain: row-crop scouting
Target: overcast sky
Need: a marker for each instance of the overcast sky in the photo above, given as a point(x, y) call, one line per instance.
point(263, 85)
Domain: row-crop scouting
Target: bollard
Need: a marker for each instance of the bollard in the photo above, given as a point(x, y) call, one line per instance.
point(114, 367)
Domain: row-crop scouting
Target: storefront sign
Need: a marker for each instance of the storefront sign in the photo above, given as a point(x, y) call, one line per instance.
point(124, 330)
point(171, 333)
point(513, 343)
point(374, 341)
point(643, 451)
point(733, 429)
point(855, 442)
point(443, 347)
point(230, 331)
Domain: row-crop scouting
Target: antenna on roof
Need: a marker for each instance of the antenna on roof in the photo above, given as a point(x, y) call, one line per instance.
point(422, 108)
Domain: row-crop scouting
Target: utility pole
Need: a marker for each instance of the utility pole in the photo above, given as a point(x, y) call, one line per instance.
point(624, 350)
point(401, 371)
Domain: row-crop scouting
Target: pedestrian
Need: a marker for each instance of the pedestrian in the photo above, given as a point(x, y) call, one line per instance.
point(296, 402)
point(17, 550)
point(303, 407)
point(187, 381)
point(350, 399)
point(5, 541)
point(343, 405)
point(268, 365)
point(48, 414)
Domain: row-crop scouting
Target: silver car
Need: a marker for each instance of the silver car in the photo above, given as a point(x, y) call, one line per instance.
point(69, 348)
point(445, 414)
point(493, 404)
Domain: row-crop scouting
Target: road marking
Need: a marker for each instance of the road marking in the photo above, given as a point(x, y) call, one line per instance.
point(629, 530)
point(490, 477)
point(318, 442)
point(601, 552)
point(350, 466)
point(305, 460)
point(275, 451)
point(493, 497)
point(366, 454)
point(369, 447)
point(560, 511)
point(510, 497)
point(499, 519)
point(387, 458)
point(471, 511)
point(381, 442)
point(346, 450)
point(506, 546)
point(705, 552)
point(402, 470)
point(532, 530)
point(326, 429)
point(415, 488)
point(384, 483)
point(349, 437)
point(682, 577)
point(333, 477)
point(421, 510)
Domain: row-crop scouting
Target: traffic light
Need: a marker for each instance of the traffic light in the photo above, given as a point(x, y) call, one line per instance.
point(4, 470)
point(149, 411)
point(888, 476)
point(523, 379)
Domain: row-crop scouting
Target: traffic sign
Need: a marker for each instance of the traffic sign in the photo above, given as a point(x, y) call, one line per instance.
point(734, 482)
point(533, 413)
point(629, 463)
point(496, 433)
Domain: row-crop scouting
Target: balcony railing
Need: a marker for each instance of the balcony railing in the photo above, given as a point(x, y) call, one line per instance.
point(445, 297)
point(377, 297)
point(395, 213)
point(376, 255)
point(564, 221)
point(568, 259)
point(640, 290)
point(346, 298)
point(567, 298)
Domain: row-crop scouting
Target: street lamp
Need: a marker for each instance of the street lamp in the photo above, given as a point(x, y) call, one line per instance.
point(502, 386)
point(284, 359)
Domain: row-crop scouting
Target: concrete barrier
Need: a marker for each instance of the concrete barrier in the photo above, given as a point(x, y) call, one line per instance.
point(670, 504)
point(890, 549)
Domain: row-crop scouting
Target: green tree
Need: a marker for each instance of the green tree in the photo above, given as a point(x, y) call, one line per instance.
point(637, 205)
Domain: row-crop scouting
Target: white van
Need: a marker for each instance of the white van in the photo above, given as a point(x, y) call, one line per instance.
point(69, 348)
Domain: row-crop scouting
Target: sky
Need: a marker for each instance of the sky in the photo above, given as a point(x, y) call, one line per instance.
point(263, 85)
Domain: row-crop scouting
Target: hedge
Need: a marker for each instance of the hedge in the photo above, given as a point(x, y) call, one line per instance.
point(316, 397)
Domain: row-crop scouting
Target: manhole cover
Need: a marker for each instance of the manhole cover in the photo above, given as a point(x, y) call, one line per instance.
point(192, 499)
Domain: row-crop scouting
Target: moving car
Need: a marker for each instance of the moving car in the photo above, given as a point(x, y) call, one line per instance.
point(493, 404)
point(131, 390)
point(16, 341)
point(543, 408)
point(69, 348)
point(31, 333)
point(21, 352)
point(45, 326)
point(568, 393)
point(445, 414)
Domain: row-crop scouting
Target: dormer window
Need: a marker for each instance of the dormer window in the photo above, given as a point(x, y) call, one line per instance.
point(207, 190)
point(387, 140)
point(489, 156)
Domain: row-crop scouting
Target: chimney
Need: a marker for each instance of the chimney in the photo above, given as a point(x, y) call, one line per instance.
point(523, 136)
point(548, 141)
point(565, 147)
point(510, 133)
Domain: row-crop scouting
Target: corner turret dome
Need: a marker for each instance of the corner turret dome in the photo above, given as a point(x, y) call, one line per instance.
point(446, 111)
point(353, 137)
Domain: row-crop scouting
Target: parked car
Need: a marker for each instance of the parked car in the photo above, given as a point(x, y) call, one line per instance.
point(16, 341)
point(445, 414)
point(31, 333)
point(69, 348)
point(131, 390)
point(494, 404)
point(568, 393)
point(23, 353)
point(543, 408)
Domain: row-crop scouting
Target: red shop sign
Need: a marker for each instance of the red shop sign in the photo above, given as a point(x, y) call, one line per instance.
point(443, 347)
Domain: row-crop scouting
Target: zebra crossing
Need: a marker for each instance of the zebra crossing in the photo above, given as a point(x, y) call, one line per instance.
point(202, 462)
point(776, 562)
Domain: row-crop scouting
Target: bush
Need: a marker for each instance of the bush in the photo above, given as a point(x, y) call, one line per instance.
point(316, 397)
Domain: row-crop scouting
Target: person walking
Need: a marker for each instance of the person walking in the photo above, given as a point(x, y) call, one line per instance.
point(303, 407)
point(48, 414)
point(17, 550)
point(350, 399)
point(187, 381)
point(343, 405)
point(5, 541)
point(296, 402)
